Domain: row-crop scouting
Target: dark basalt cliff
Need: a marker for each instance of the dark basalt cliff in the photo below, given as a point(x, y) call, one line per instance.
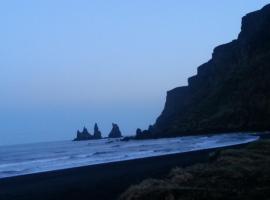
point(231, 92)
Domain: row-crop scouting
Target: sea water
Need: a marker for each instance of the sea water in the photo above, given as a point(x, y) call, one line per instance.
point(32, 158)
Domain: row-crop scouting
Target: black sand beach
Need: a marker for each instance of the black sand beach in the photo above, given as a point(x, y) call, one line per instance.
point(97, 182)
point(235, 174)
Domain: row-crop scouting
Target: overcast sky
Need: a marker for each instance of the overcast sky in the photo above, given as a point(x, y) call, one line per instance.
point(65, 64)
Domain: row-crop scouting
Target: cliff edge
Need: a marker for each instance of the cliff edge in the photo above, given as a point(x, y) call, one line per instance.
point(231, 92)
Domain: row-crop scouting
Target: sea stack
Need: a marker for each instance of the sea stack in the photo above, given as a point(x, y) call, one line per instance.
point(84, 135)
point(97, 133)
point(115, 132)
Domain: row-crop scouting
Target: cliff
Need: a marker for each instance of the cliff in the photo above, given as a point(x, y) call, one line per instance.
point(231, 92)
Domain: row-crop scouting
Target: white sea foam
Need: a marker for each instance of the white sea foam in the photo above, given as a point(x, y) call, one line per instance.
point(32, 158)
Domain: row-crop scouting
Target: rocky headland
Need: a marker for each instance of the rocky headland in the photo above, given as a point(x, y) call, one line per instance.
point(230, 92)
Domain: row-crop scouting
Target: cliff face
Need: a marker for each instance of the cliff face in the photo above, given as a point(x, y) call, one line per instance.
point(231, 92)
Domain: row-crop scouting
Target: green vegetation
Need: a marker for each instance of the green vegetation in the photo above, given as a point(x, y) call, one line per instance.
point(232, 174)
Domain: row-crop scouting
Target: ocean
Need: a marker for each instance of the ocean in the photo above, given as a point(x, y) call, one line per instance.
point(40, 157)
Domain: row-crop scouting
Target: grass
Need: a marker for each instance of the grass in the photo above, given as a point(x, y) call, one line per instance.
point(232, 174)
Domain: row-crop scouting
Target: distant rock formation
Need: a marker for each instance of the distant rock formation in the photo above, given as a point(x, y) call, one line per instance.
point(85, 135)
point(145, 134)
point(97, 133)
point(138, 132)
point(230, 93)
point(115, 132)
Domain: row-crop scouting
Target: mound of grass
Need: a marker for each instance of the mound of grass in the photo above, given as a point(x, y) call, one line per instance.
point(232, 174)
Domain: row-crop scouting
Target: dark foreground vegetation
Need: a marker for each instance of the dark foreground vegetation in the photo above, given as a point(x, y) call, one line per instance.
point(231, 174)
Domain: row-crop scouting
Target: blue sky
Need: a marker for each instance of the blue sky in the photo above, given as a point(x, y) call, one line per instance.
point(65, 64)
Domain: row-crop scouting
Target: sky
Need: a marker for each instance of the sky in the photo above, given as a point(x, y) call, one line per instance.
point(65, 64)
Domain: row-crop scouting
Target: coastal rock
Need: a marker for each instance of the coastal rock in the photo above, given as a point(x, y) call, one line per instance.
point(138, 132)
point(97, 133)
point(230, 92)
point(143, 134)
point(115, 132)
point(85, 135)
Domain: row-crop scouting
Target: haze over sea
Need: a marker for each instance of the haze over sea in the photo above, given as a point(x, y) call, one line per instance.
point(66, 64)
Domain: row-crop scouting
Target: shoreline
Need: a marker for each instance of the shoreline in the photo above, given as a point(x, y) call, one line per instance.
point(100, 181)
point(85, 154)
point(238, 174)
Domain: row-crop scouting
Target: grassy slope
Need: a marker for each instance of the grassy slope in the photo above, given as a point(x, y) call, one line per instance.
point(232, 174)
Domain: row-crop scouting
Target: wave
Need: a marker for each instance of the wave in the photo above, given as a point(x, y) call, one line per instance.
point(101, 152)
point(61, 155)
